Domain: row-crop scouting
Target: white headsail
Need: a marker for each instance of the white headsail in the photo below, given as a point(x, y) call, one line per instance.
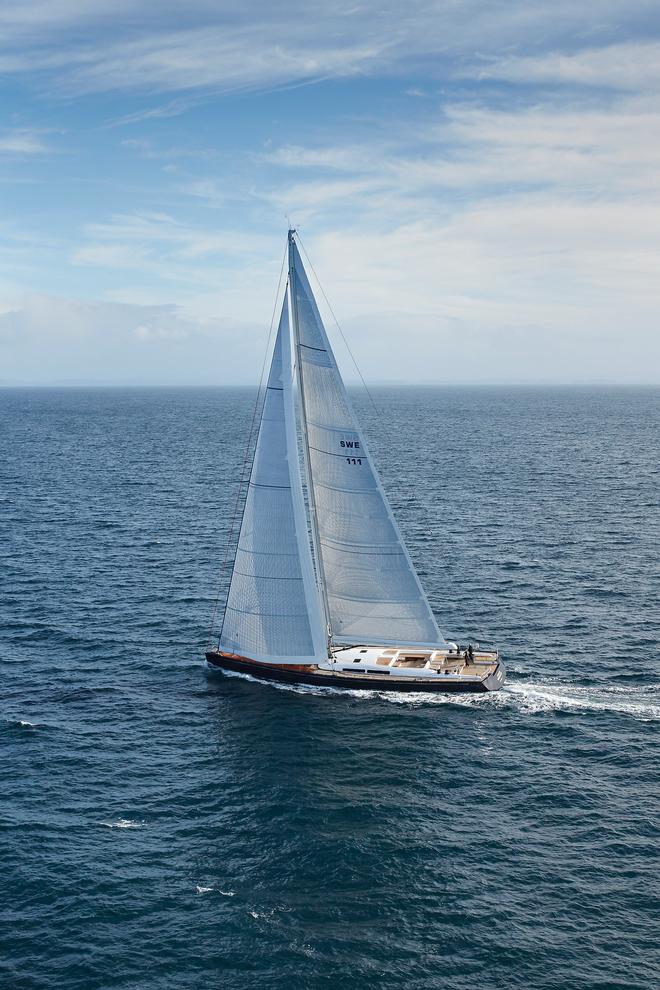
point(373, 592)
point(273, 611)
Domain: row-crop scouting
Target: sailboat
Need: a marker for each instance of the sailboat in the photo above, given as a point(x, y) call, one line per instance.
point(323, 591)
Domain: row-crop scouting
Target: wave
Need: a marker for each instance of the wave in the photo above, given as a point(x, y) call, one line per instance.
point(21, 723)
point(271, 915)
point(528, 698)
point(208, 890)
point(533, 698)
point(124, 823)
point(294, 688)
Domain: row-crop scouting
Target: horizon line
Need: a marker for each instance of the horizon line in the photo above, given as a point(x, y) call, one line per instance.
point(377, 383)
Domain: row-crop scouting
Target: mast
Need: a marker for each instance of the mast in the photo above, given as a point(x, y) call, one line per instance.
point(316, 540)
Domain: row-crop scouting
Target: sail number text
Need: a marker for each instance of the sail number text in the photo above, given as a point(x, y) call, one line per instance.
point(355, 444)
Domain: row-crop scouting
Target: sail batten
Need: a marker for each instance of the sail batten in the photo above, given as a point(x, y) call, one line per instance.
point(272, 611)
point(372, 591)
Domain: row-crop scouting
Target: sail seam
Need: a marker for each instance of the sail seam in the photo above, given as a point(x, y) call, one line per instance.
point(373, 490)
point(350, 451)
point(267, 553)
point(256, 484)
point(334, 429)
point(267, 577)
point(372, 548)
point(280, 615)
point(348, 621)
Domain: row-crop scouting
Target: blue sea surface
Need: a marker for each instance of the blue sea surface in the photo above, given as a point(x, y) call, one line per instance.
point(165, 828)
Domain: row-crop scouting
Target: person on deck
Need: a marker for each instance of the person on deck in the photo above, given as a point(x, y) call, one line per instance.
point(469, 654)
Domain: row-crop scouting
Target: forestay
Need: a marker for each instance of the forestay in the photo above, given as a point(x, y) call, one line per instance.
point(273, 610)
point(373, 592)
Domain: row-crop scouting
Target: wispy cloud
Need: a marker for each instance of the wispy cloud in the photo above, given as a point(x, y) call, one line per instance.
point(632, 65)
point(148, 149)
point(341, 159)
point(173, 252)
point(172, 109)
point(23, 142)
point(104, 46)
point(612, 150)
point(213, 191)
point(207, 58)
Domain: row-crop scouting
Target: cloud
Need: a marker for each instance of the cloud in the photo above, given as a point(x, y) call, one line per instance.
point(172, 109)
point(524, 289)
point(148, 149)
point(149, 332)
point(475, 242)
point(557, 140)
point(211, 271)
point(104, 46)
point(212, 191)
point(138, 239)
point(22, 142)
point(594, 154)
point(110, 342)
point(244, 58)
point(207, 58)
point(532, 235)
point(349, 158)
point(633, 65)
point(589, 151)
point(475, 232)
point(305, 200)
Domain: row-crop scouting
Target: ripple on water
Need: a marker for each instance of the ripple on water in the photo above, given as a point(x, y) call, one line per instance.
point(167, 829)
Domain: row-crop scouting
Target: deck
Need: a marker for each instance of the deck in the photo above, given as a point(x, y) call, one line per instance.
point(402, 662)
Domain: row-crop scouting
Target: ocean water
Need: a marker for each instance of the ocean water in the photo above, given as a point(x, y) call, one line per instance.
point(163, 827)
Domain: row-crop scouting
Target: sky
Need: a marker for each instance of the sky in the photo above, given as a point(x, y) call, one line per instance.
point(476, 183)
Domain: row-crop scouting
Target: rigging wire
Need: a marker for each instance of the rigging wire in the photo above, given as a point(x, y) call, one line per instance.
point(248, 445)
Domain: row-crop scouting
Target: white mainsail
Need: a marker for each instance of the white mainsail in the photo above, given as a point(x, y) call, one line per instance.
point(273, 612)
point(372, 591)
